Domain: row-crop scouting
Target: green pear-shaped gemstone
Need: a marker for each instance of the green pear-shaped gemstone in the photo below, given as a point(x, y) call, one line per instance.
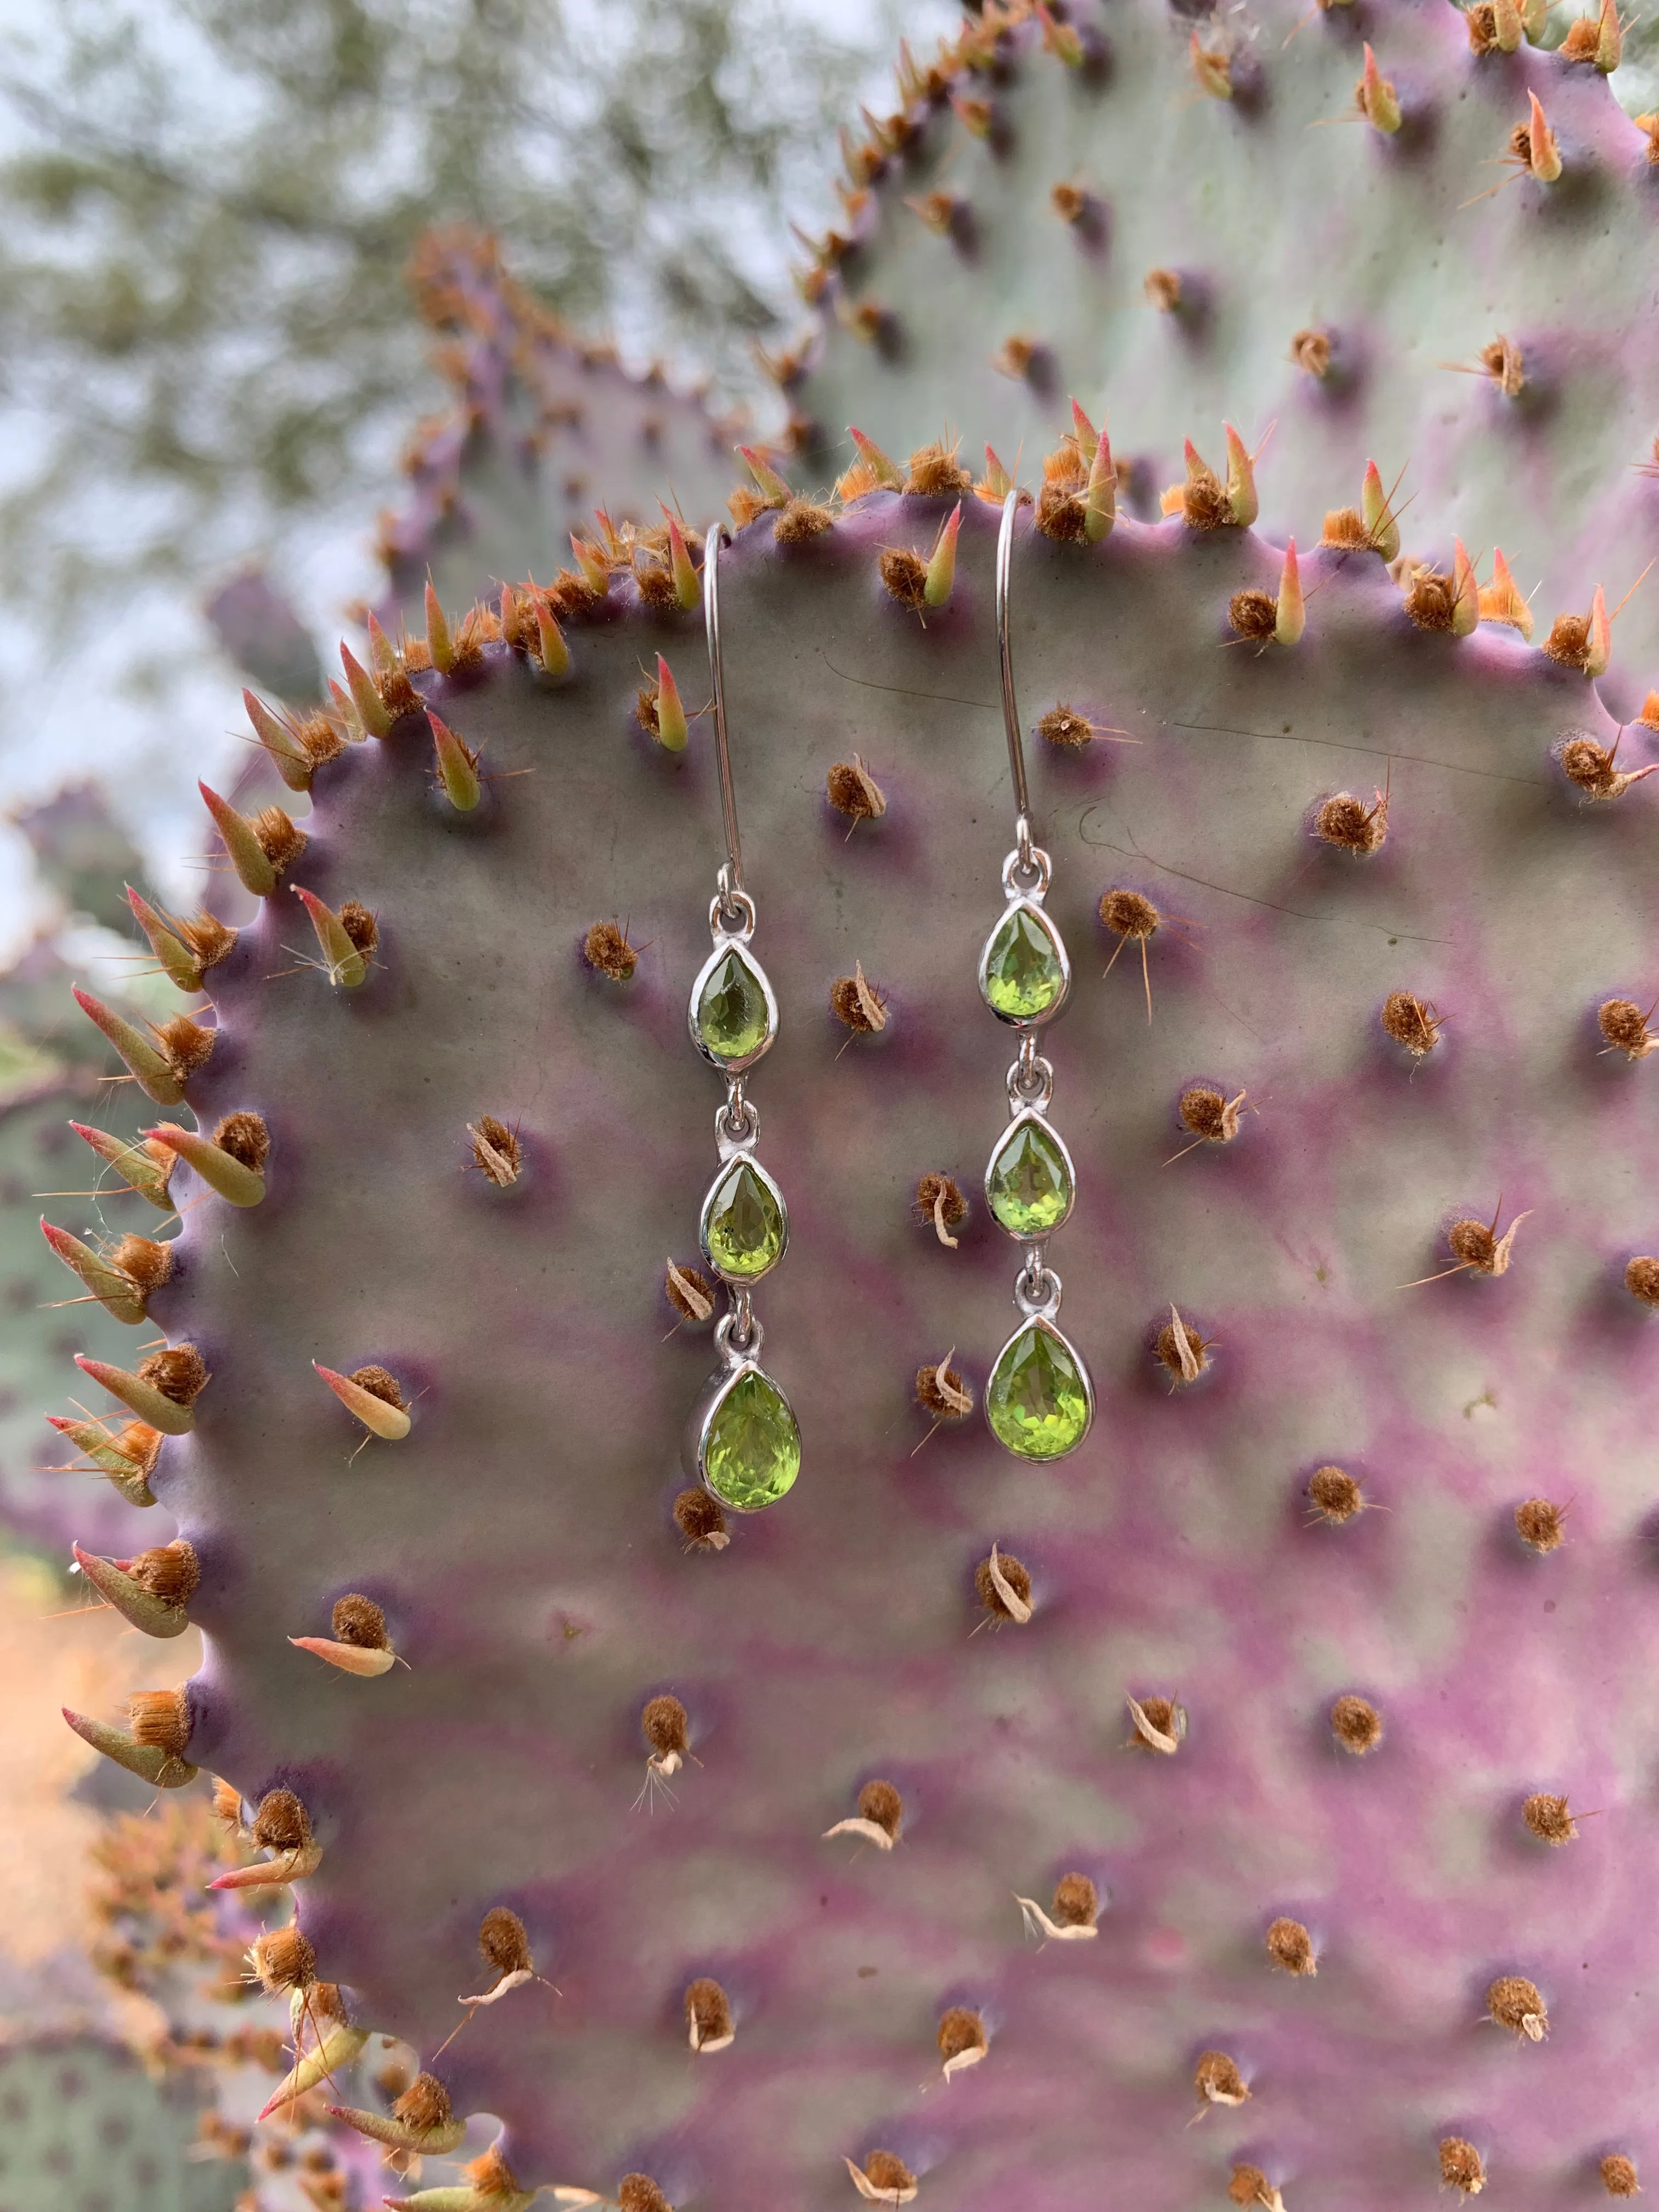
point(751, 1453)
point(1028, 1185)
point(1037, 1398)
point(1024, 973)
point(743, 1225)
point(731, 1018)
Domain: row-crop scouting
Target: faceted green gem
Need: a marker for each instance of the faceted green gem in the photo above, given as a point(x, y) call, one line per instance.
point(1024, 976)
point(743, 1227)
point(751, 1454)
point(731, 1018)
point(1037, 1399)
point(1028, 1185)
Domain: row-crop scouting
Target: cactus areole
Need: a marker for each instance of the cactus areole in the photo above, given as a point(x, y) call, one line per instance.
point(1252, 1800)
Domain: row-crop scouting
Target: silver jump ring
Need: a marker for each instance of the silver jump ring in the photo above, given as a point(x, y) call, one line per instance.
point(1027, 873)
point(730, 912)
point(1038, 1289)
point(1030, 1084)
point(738, 1335)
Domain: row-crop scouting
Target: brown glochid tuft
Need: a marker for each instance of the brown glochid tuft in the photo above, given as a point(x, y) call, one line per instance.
point(503, 1942)
point(960, 2030)
point(801, 521)
point(170, 1572)
point(663, 1724)
point(853, 791)
point(938, 1200)
point(1346, 528)
point(180, 1373)
point(935, 471)
point(1431, 601)
point(1348, 823)
point(424, 2105)
point(1075, 1902)
point(141, 1444)
point(357, 1619)
point(497, 1152)
point(1311, 350)
point(606, 950)
point(887, 2172)
point(1502, 360)
point(1250, 2185)
point(905, 574)
point(1128, 914)
point(143, 1261)
point(379, 1383)
point(1291, 1948)
point(857, 1004)
point(281, 1823)
point(360, 926)
point(1017, 1579)
point(246, 1138)
point(1210, 1114)
point(637, 2192)
point(1069, 202)
point(283, 1958)
point(708, 2011)
point(945, 1395)
point(1204, 502)
point(1165, 1716)
point(881, 1804)
point(1642, 1279)
point(689, 1293)
point(1254, 614)
point(281, 840)
point(1334, 1495)
point(209, 939)
point(187, 1044)
point(1064, 726)
point(1218, 2080)
point(701, 1520)
point(1163, 289)
point(1540, 1522)
point(1569, 641)
point(1357, 1726)
point(161, 1720)
point(1182, 1354)
point(1618, 2175)
point(1624, 1027)
point(1514, 2001)
point(1411, 1021)
point(1461, 2166)
point(1549, 1818)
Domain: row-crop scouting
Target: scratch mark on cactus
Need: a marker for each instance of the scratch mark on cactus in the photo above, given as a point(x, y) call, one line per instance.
point(1351, 745)
point(1132, 851)
point(909, 691)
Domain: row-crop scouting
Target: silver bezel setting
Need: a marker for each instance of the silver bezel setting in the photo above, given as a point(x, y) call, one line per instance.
point(1042, 1317)
point(1022, 903)
point(713, 1394)
point(729, 1158)
point(728, 940)
point(1027, 1115)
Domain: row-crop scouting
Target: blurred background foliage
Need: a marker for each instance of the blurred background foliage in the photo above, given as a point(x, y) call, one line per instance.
point(207, 346)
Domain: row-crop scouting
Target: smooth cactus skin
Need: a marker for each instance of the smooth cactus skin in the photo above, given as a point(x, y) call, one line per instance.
point(1412, 252)
point(520, 1537)
point(544, 428)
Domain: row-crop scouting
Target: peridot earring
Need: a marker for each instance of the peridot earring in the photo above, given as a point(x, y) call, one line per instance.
point(742, 1443)
point(1039, 1400)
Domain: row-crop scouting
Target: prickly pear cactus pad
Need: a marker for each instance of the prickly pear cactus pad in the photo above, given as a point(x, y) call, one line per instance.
point(1206, 1813)
point(543, 426)
point(1319, 223)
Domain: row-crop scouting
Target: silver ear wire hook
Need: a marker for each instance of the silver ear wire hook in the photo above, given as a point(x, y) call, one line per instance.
point(1010, 706)
point(732, 873)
